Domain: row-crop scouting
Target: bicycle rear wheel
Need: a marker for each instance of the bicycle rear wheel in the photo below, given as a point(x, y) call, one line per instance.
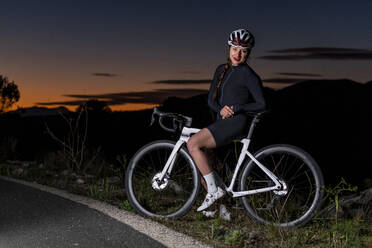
point(177, 192)
point(290, 207)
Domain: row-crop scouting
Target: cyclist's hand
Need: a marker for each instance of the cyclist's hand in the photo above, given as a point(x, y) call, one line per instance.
point(226, 112)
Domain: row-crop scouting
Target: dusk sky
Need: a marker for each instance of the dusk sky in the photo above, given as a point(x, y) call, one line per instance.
point(134, 54)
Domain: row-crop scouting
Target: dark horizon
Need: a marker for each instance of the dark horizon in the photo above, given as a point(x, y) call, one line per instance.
point(53, 50)
point(157, 98)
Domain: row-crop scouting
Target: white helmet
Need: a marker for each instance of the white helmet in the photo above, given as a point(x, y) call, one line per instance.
point(241, 38)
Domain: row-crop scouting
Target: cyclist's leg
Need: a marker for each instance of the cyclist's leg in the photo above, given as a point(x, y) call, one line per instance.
point(202, 139)
point(211, 156)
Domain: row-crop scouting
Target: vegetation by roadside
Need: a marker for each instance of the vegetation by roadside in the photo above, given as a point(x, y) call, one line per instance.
point(334, 231)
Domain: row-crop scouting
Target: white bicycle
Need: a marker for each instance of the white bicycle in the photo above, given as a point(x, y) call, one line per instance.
point(280, 184)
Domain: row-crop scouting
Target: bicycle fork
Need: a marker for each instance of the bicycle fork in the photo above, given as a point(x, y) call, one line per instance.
point(185, 135)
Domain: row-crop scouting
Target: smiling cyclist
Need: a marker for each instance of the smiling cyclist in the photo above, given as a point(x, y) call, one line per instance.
point(235, 90)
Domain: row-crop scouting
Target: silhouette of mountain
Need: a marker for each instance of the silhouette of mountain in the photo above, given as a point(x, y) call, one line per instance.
point(330, 119)
point(39, 111)
point(369, 84)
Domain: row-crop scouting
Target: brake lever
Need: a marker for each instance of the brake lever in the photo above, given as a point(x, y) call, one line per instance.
point(152, 120)
point(153, 116)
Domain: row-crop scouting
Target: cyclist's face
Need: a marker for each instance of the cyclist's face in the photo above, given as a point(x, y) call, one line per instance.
point(238, 55)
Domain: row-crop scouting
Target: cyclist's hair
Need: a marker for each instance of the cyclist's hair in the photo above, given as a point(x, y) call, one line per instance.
point(227, 65)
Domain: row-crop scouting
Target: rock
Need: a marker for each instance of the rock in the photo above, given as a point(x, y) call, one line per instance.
point(13, 161)
point(175, 186)
point(49, 173)
point(25, 172)
point(113, 180)
point(17, 172)
point(360, 205)
point(22, 163)
point(366, 197)
point(253, 235)
point(351, 206)
point(41, 166)
point(79, 181)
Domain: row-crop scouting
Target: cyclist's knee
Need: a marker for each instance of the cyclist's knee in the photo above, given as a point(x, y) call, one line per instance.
point(192, 145)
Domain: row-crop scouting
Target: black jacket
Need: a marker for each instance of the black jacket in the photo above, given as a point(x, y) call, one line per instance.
point(240, 88)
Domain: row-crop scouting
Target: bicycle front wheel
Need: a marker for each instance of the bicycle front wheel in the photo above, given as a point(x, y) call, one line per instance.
point(171, 198)
point(295, 204)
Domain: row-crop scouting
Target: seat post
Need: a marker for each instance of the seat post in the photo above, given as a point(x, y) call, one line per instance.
point(255, 120)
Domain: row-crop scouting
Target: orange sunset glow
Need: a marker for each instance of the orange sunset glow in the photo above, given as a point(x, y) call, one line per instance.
point(59, 56)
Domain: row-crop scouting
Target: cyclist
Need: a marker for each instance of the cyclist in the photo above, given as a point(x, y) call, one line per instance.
point(235, 90)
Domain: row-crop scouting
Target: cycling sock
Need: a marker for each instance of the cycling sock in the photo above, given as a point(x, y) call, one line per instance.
point(211, 182)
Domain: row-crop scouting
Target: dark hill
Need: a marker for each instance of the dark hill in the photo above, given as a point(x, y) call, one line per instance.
point(331, 119)
point(39, 111)
point(369, 84)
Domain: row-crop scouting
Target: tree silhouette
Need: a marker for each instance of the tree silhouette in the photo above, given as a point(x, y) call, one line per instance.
point(9, 93)
point(94, 106)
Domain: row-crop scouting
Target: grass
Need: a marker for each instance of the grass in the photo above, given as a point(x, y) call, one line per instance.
point(335, 232)
point(125, 205)
point(5, 169)
point(102, 192)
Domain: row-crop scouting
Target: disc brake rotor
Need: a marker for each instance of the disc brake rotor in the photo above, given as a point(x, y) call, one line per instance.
point(158, 184)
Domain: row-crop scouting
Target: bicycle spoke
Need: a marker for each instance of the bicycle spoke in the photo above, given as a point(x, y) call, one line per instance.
point(291, 206)
point(288, 167)
point(169, 196)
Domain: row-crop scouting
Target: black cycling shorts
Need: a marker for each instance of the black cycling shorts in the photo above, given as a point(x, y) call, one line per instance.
point(225, 131)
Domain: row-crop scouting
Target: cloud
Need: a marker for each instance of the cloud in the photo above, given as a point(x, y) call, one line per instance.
point(318, 50)
point(148, 97)
point(65, 103)
point(285, 80)
point(104, 74)
point(329, 53)
point(191, 72)
point(292, 77)
point(298, 74)
point(178, 81)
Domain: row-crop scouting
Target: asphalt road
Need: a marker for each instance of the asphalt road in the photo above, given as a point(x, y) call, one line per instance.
point(33, 218)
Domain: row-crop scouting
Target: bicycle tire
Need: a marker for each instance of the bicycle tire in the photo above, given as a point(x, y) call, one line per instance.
point(302, 176)
point(181, 189)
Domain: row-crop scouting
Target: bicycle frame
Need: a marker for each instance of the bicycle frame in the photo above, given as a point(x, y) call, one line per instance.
point(185, 135)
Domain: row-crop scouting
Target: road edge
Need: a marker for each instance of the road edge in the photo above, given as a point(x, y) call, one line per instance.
point(156, 231)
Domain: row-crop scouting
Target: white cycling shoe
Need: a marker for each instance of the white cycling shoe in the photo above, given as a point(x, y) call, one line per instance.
point(211, 198)
point(224, 213)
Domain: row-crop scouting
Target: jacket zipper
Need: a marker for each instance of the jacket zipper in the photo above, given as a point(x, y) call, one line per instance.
point(223, 85)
